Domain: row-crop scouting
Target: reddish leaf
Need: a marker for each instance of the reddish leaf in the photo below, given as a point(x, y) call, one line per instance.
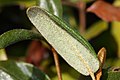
point(105, 11)
point(36, 53)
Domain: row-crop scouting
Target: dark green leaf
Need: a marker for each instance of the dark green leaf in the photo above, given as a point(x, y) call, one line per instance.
point(53, 6)
point(17, 35)
point(111, 74)
point(67, 42)
point(10, 70)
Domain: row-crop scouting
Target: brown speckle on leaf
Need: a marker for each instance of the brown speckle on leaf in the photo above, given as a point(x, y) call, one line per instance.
point(116, 69)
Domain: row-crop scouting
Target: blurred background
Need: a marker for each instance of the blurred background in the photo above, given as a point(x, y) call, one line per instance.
point(98, 32)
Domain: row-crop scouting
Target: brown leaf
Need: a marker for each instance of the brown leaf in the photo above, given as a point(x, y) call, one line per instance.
point(101, 57)
point(105, 11)
point(36, 52)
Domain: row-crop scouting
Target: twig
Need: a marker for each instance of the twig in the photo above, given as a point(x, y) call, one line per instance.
point(82, 16)
point(81, 9)
point(57, 64)
point(68, 3)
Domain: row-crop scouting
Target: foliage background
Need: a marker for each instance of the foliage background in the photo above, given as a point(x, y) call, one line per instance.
point(98, 32)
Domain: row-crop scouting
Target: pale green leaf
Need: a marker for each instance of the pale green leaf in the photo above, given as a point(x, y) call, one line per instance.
point(10, 70)
point(3, 55)
point(16, 35)
point(67, 42)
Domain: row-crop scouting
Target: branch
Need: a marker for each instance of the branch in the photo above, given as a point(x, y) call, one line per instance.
point(57, 64)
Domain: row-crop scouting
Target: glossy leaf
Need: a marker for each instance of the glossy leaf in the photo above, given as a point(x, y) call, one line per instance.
point(67, 42)
point(53, 6)
point(16, 35)
point(10, 70)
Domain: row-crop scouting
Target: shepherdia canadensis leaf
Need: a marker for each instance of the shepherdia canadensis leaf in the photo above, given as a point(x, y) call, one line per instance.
point(16, 35)
point(10, 70)
point(68, 43)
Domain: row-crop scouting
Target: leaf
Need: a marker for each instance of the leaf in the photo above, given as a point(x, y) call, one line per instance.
point(95, 29)
point(116, 33)
point(53, 6)
point(16, 35)
point(73, 1)
point(116, 30)
point(36, 53)
point(10, 70)
point(76, 1)
point(116, 3)
point(26, 3)
point(67, 42)
point(112, 73)
point(69, 16)
point(68, 73)
point(107, 12)
point(3, 55)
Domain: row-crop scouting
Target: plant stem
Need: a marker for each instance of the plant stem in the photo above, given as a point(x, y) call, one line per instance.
point(57, 64)
point(81, 9)
point(93, 77)
point(82, 16)
point(68, 3)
